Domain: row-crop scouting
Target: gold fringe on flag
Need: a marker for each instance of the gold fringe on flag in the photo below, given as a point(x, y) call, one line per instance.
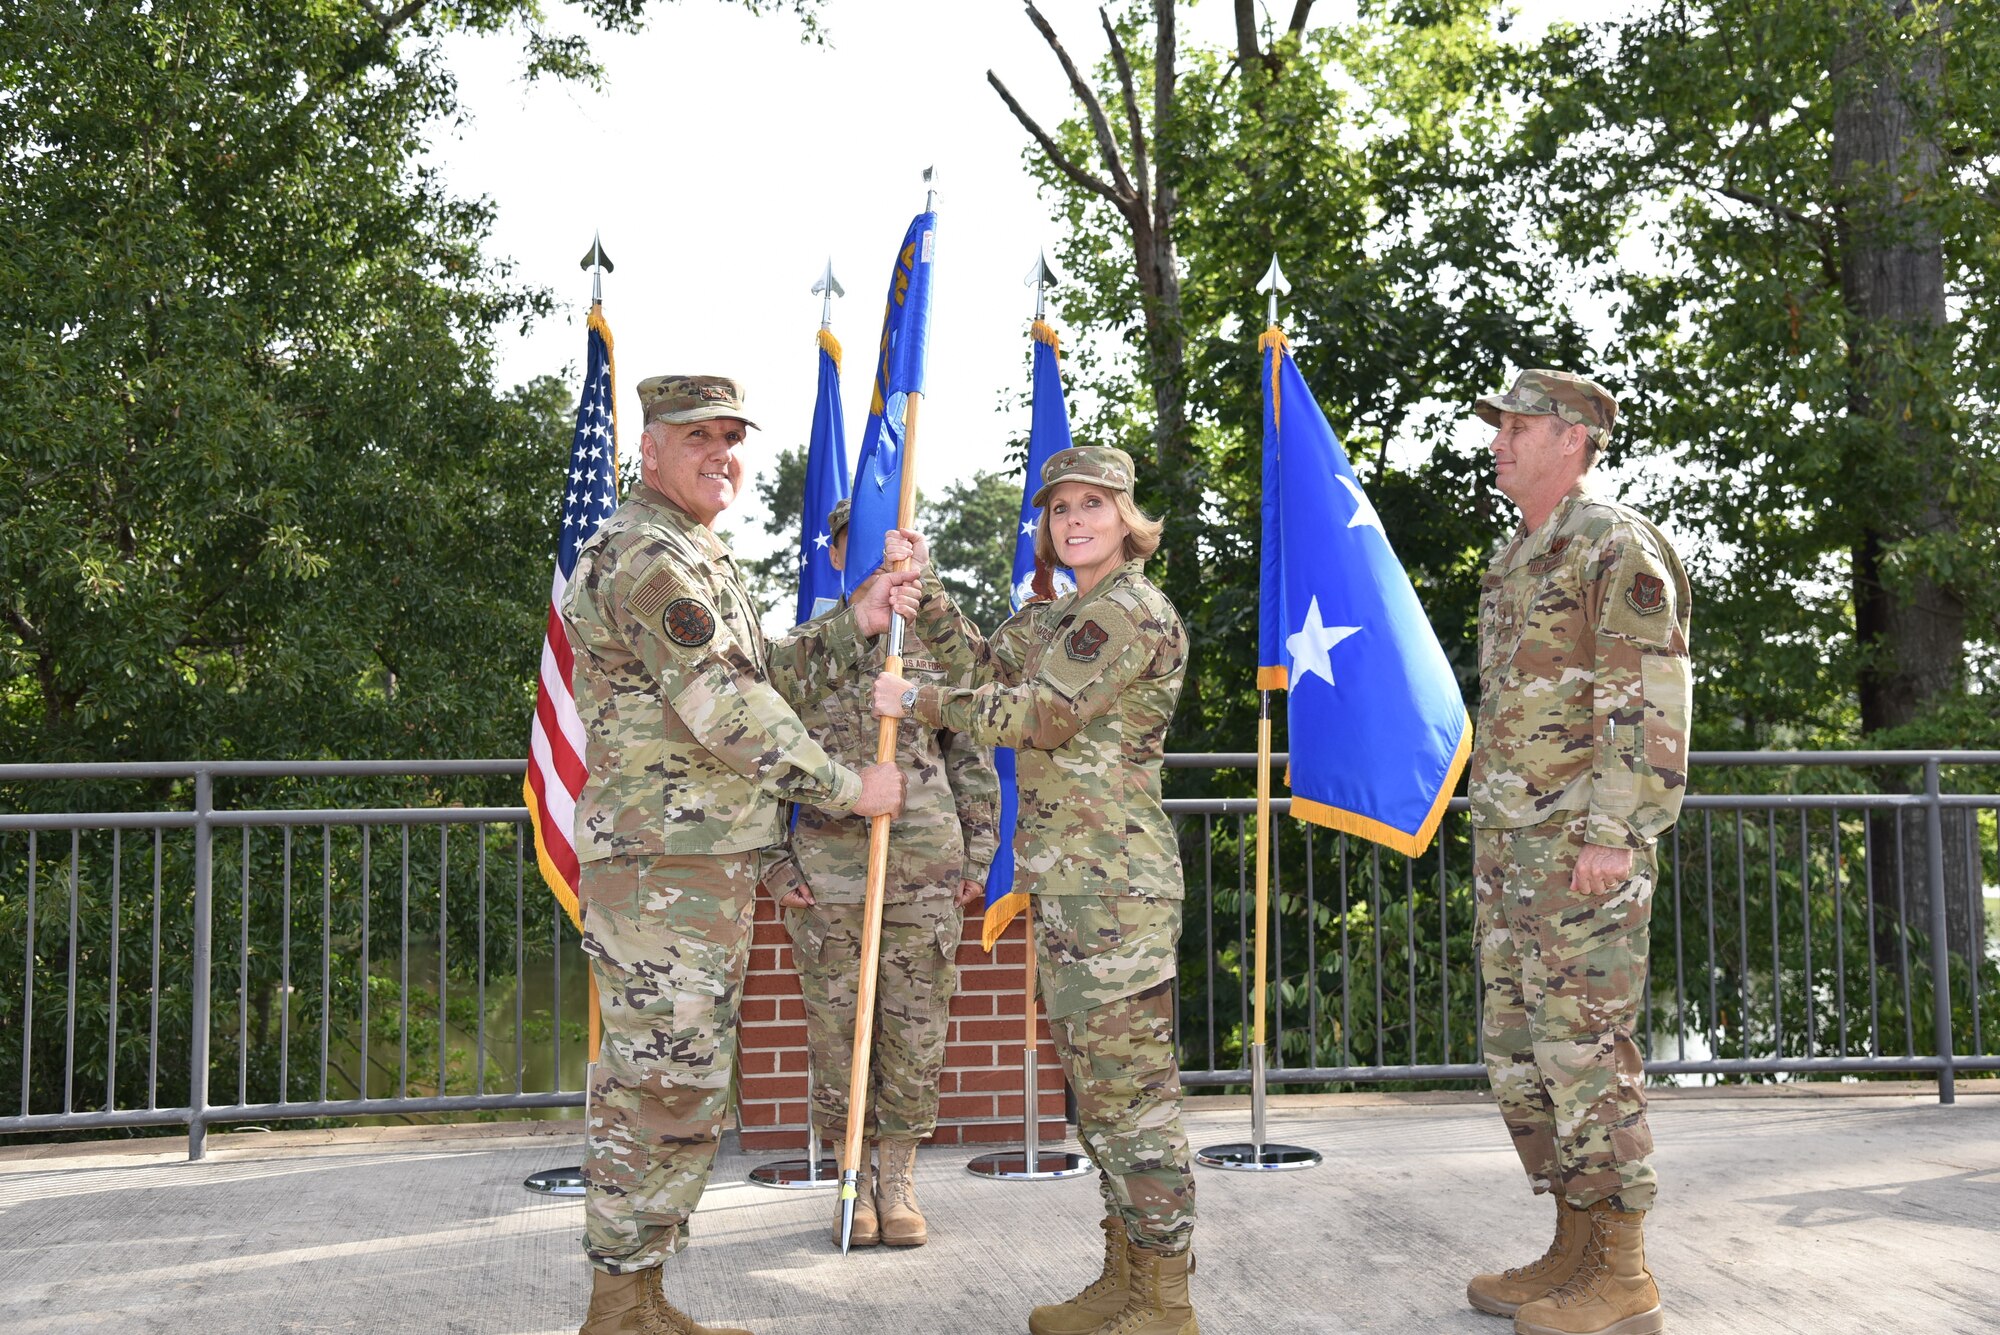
point(832, 346)
point(1410, 845)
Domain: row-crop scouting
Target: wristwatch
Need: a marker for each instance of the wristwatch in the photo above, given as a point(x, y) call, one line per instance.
point(910, 700)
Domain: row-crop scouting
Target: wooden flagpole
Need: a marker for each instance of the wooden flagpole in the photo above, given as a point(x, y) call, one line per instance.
point(878, 870)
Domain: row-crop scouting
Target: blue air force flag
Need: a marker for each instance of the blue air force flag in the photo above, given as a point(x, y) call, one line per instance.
point(826, 487)
point(1378, 731)
point(1048, 433)
point(899, 373)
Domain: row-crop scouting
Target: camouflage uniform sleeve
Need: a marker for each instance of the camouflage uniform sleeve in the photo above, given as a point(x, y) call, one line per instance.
point(1079, 680)
point(782, 874)
point(975, 791)
point(969, 657)
point(1642, 692)
point(720, 693)
point(809, 660)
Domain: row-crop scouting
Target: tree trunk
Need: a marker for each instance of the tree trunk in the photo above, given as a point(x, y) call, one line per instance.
point(1910, 630)
point(1885, 166)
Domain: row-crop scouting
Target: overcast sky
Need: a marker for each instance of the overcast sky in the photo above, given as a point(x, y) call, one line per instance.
point(725, 160)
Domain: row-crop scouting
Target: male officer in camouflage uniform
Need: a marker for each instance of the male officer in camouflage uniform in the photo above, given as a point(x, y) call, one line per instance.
point(939, 853)
point(1580, 765)
point(689, 751)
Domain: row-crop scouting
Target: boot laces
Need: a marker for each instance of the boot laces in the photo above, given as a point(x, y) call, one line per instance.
point(1595, 1265)
point(1142, 1303)
point(1107, 1279)
point(1549, 1259)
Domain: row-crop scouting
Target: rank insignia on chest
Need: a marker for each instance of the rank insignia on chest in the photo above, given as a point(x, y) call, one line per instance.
point(688, 623)
point(1550, 559)
point(1086, 642)
point(1647, 595)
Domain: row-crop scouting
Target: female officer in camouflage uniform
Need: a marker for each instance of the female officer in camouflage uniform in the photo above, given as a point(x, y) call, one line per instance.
point(1083, 686)
point(944, 842)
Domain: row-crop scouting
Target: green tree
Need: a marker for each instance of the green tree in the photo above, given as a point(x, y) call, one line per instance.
point(260, 495)
point(971, 528)
point(1356, 154)
point(1790, 208)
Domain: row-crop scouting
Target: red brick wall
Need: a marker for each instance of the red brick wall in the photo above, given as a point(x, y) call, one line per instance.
point(980, 1090)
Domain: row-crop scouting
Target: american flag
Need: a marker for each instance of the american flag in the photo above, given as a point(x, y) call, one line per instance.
point(555, 748)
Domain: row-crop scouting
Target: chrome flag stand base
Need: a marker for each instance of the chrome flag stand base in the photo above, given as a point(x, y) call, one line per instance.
point(1257, 1155)
point(801, 1174)
point(1030, 1163)
point(563, 1181)
point(556, 1181)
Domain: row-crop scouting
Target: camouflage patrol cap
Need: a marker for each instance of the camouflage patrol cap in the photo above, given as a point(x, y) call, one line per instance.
point(1100, 465)
point(836, 519)
point(681, 399)
point(1576, 399)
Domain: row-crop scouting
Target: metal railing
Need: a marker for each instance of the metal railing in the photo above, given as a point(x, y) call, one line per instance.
point(1835, 933)
point(1792, 937)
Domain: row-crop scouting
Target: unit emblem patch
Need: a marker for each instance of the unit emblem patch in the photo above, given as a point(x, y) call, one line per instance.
point(688, 623)
point(1086, 642)
point(1647, 595)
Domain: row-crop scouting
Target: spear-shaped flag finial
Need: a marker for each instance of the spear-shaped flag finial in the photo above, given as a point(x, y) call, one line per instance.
point(930, 189)
point(1041, 277)
point(599, 265)
point(1273, 282)
point(827, 288)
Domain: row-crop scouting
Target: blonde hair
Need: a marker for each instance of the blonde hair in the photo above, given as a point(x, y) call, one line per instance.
point(1142, 531)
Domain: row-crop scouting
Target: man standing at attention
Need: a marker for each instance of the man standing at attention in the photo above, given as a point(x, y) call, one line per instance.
point(690, 750)
point(1580, 764)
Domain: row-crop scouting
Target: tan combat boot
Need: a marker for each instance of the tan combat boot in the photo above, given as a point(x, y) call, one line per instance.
point(617, 1302)
point(1156, 1299)
point(902, 1222)
point(867, 1231)
point(1611, 1293)
point(1502, 1293)
point(663, 1318)
point(1101, 1299)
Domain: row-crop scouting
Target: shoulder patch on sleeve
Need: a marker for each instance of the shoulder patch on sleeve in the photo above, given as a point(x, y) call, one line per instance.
point(661, 586)
point(688, 622)
point(1639, 595)
point(1088, 646)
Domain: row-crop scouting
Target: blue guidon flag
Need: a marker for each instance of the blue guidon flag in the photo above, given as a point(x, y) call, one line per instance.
point(1048, 433)
point(1378, 730)
point(899, 373)
point(826, 487)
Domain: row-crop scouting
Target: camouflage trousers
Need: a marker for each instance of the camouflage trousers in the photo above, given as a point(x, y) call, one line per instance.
point(1563, 977)
point(1107, 968)
point(913, 993)
point(668, 940)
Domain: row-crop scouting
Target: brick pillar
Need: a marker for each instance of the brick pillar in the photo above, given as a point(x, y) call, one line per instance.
point(980, 1090)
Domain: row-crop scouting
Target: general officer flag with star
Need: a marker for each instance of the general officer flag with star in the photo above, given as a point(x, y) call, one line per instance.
point(1378, 730)
point(1048, 433)
point(899, 373)
point(826, 487)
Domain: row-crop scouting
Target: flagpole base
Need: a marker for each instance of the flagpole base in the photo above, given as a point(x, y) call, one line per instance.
point(1014, 1166)
point(1029, 1163)
point(797, 1174)
point(1257, 1155)
point(1244, 1157)
point(555, 1182)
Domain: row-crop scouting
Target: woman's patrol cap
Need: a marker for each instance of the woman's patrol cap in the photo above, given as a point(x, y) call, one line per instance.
point(1103, 466)
point(681, 399)
point(836, 519)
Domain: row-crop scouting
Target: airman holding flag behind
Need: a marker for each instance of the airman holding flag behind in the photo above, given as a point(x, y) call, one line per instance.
point(689, 752)
point(1580, 765)
point(1083, 687)
point(944, 843)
